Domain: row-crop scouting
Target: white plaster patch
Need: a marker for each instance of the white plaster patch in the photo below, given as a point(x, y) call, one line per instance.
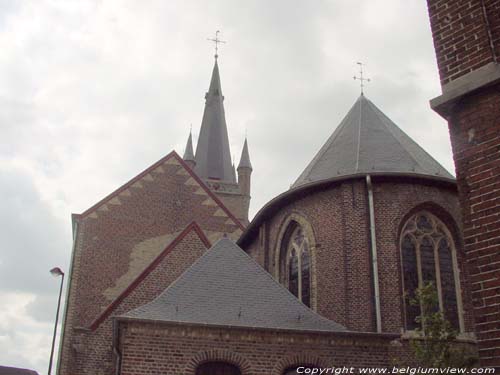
point(201, 191)
point(125, 193)
point(104, 207)
point(141, 256)
point(115, 201)
point(172, 161)
point(148, 177)
point(220, 212)
point(191, 181)
point(209, 202)
point(137, 184)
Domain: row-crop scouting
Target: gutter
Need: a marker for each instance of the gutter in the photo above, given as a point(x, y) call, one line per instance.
point(373, 247)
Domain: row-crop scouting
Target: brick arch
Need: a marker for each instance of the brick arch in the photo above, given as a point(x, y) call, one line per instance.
point(297, 360)
point(218, 355)
point(300, 219)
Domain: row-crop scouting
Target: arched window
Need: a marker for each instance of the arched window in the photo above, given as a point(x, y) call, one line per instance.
point(217, 368)
point(296, 264)
point(428, 255)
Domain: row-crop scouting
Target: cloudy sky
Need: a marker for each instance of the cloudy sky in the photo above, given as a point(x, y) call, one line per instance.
point(93, 92)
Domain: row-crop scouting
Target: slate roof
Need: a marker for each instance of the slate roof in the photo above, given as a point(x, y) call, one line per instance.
point(225, 287)
point(213, 156)
point(368, 142)
point(4, 370)
point(245, 157)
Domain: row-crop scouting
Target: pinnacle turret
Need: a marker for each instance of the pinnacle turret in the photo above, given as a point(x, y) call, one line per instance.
point(188, 153)
point(245, 157)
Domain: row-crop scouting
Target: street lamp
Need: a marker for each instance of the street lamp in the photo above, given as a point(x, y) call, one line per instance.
point(56, 272)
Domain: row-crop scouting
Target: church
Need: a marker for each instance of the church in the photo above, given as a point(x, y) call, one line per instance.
point(168, 276)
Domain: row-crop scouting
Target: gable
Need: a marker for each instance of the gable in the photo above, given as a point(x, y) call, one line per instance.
point(122, 234)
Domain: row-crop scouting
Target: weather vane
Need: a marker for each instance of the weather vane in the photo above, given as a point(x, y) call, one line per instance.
point(361, 78)
point(216, 41)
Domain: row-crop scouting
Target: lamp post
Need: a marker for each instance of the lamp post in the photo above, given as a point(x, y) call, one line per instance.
point(56, 272)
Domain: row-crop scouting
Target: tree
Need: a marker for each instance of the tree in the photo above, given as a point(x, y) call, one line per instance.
point(435, 343)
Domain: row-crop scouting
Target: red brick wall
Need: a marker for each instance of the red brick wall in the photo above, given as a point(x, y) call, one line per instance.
point(119, 237)
point(474, 123)
point(339, 217)
point(462, 38)
point(478, 170)
point(94, 347)
point(170, 350)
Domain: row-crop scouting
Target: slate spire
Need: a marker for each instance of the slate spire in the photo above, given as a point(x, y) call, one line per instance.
point(245, 157)
point(213, 156)
point(188, 153)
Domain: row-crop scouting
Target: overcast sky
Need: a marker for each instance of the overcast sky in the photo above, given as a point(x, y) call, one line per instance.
point(94, 92)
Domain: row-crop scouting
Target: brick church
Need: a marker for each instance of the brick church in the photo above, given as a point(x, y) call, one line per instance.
point(168, 276)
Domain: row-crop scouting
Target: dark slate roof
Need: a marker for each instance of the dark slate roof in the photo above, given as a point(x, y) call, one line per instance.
point(368, 142)
point(245, 157)
point(188, 153)
point(4, 370)
point(225, 287)
point(213, 156)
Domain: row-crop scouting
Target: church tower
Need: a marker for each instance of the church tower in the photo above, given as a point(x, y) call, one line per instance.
point(212, 160)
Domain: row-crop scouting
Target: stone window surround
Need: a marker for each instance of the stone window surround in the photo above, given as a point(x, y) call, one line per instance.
point(456, 269)
point(308, 232)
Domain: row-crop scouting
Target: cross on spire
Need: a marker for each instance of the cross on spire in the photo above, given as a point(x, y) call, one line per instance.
point(216, 40)
point(361, 78)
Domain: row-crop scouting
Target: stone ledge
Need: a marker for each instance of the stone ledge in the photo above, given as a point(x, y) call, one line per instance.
point(453, 91)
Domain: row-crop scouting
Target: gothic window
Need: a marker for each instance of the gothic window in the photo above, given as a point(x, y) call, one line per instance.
point(217, 368)
point(428, 255)
point(296, 264)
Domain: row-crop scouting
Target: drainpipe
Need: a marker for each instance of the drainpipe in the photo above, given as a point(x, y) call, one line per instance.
point(116, 350)
point(373, 239)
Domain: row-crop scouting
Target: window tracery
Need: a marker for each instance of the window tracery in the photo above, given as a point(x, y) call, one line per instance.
point(428, 254)
point(296, 263)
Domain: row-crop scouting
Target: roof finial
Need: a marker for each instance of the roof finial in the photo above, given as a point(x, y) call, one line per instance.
point(361, 78)
point(216, 41)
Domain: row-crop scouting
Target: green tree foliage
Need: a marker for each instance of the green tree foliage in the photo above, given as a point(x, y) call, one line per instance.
point(435, 344)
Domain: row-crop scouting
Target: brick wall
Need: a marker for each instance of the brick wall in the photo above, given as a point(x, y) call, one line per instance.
point(462, 37)
point(339, 217)
point(121, 235)
point(467, 40)
point(177, 350)
point(89, 351)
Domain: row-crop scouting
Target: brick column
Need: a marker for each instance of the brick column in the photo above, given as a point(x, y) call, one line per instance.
point(466, 37)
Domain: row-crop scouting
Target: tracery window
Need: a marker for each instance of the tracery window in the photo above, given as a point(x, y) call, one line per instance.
point(428, 255)
point(217, 368)
point(296, 264)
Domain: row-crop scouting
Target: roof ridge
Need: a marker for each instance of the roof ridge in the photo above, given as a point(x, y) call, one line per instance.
point(151, 168)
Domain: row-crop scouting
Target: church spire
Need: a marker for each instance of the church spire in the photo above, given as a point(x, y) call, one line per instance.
point(213, 156)
point(245, 157)
point(188, 153)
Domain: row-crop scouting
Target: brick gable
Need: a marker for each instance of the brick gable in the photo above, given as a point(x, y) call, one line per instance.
point(89, 351)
